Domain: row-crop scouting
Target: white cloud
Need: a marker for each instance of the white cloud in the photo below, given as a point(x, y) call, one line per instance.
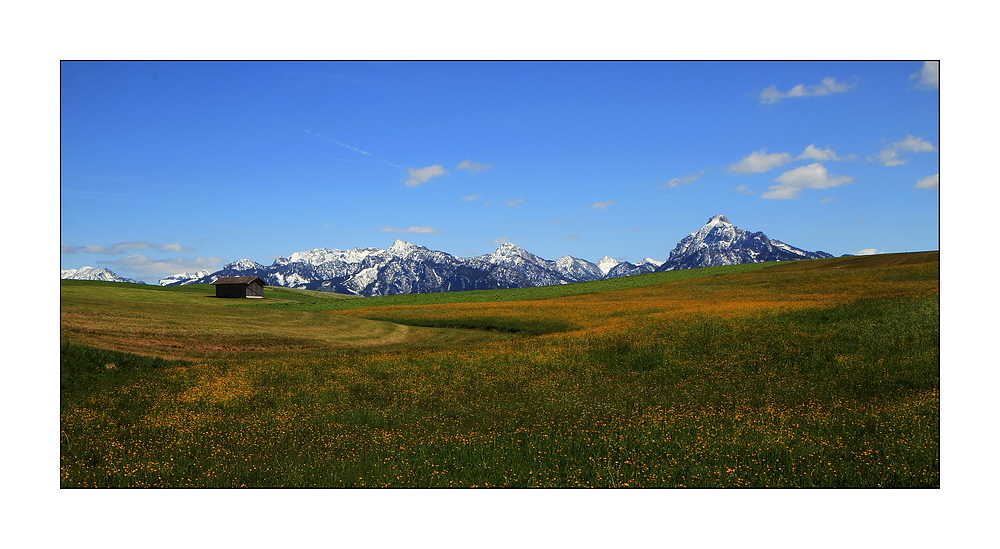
point(927, 76)
point(867, 251)
point(929, 182)
point(813, 176)
point(602, 205)
point(471, 197)
point(686, 180)
point(142, 264)
point(175, 248)
point(473, 167)
point(814, 153)
point(122, 247)
point(889, 156)
point(743, 189)
point(426, 230)
point(98, 249)
point(419, 176)
point(501, 240)
point(513, 203)
point(829, 85)
point(760, 161)
point(825, 200)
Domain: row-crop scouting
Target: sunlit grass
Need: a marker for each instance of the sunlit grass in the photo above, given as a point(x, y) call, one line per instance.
point(812, 378)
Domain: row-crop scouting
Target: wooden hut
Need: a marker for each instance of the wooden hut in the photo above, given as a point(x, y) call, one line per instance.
point(240, 286)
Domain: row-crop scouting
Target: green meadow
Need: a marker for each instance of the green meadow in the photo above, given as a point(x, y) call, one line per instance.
point(820, 373)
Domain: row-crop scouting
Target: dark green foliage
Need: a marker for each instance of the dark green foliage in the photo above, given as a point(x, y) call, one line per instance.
point(82, 367)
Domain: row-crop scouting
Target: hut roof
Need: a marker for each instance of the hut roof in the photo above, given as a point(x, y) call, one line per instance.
point(239, 280)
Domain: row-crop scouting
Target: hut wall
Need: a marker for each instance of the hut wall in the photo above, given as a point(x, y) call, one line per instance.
point(255, 289)
point(230, 290)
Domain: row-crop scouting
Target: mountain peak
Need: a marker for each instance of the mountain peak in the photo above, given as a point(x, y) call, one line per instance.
point(720, 242)
point(606, 263)
point(95, 273)
point(509, 247)
point(243, 265)
point(401, 246)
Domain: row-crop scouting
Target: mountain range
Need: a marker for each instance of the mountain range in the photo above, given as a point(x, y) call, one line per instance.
point(405, 268)
point(95, 273)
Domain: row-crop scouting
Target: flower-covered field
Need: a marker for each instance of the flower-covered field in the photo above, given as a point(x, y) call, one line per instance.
point(793, 376)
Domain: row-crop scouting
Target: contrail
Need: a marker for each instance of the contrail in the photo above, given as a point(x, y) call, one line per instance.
point(354, 149)
point(356, 161)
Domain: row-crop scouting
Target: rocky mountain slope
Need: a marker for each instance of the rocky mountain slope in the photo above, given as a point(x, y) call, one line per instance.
point(92, 273)
point(408, 268)
point(719, 242)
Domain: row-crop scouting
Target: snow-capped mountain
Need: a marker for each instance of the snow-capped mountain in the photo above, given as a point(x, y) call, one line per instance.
point(613, 268)
point(405, 268)
point(719, 242)
point(92, 273)
point(578, 270)
point(605, 264)
point(179, 278)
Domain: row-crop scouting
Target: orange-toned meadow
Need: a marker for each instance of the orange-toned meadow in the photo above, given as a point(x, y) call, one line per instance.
point(783, 378)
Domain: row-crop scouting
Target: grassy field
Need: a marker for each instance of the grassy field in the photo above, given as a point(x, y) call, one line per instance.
point(818, 373)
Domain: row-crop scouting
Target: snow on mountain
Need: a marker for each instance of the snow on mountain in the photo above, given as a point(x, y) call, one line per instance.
point(577, 270)
point(243, 265)
point(624, 268)
point(180, 278)
point(719, 242)
point(606, 263)
point(325, 255)
point(92, 273)
point(405, 267)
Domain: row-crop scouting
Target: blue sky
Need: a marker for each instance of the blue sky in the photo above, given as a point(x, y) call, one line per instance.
point(171, 167)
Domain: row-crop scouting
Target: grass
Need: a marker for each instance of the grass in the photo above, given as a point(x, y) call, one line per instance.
point(767, 377)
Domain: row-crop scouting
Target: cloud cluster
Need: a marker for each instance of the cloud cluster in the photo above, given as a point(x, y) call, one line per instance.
point(513, 203)
point(472, 167)
point(929, 182)
point(602, 205)
point(813, 176)
point(426, 230)
point(686, 180)
point(139, 263)
point(470, 198)
point(760, 161)
point(890, 155)
point(829, 85)
point(927, 76)
point(122, 247)
point(814, 153)
point(419, 176)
